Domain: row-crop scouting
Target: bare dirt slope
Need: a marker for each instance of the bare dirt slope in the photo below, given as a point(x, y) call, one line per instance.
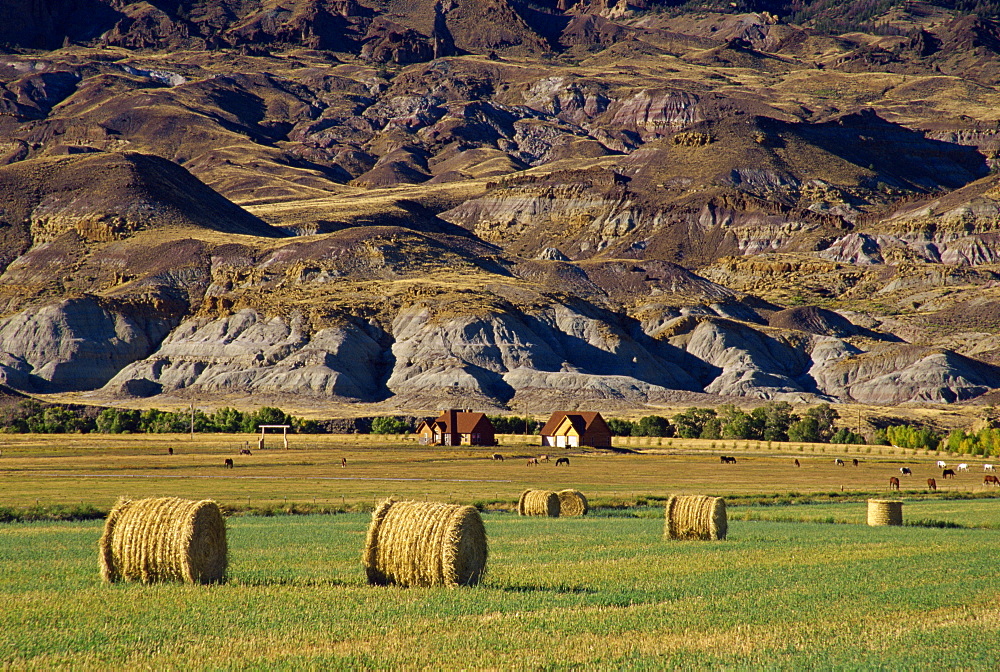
point(498, 204)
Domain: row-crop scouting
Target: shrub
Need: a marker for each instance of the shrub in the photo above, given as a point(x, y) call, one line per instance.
point(390, 425)
point(653, 425)
point(619, 427)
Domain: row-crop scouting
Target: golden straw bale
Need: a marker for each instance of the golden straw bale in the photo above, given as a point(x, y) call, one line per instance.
point(425, 544)
point(885, 512)
point(572, 503)
point(695, 517)
point(164, 539)
point(538, 503)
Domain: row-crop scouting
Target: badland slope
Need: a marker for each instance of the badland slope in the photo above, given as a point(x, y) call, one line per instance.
point(500, 204)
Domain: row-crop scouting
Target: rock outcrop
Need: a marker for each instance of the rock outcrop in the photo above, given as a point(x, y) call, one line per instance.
point(75, 344)
point(246, 351)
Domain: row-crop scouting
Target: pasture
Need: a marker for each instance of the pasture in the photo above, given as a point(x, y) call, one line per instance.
point(94, 470)
point(785, 590)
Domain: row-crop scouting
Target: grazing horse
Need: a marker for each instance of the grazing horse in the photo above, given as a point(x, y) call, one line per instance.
point(343, 462)
point(839, 462)
point(941, 464)
point(498, 457)
point(796, 462)
point(905, 471)
point(543, 458)
point(170, 450)
point(245, 451)
point(855, 461)
point(562, 460)
point(726, 459)
point(990, 478)
point(533, 462)
point(228, 464)
point(948, 473)
point(893, 483)
point(988, 467)
point(963, 467)
point(931, 484)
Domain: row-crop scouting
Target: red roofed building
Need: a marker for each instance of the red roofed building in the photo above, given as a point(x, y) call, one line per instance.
point(571, 430)
point(457, 428)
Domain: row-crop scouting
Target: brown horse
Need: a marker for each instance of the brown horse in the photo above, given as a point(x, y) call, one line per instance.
point(796, 462)
point(532, 461)
point(931, 484)
point(991, 479)
point(228, 464)
point(893, 483)
point(562, 460)
point(948, 473)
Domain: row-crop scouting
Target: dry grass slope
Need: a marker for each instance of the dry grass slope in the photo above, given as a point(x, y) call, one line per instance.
point(164, 539)
point(425, 544)
point(695, 517)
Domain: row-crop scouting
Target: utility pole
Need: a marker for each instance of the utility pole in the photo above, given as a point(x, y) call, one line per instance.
point(192, 422)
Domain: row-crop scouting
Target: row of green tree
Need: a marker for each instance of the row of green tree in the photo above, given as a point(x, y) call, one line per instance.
point(32, 417)
point(774, 421)
point(985, 441)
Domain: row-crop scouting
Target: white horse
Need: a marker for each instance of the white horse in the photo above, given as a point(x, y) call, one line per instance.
point(988, 467)
point(941, 464)
point(963, 467)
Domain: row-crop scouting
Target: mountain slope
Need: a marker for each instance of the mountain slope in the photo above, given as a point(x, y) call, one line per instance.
point(501, 204)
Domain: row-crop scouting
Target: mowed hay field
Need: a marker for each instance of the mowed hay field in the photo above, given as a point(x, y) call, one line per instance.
point(593, 592)
point(786, 589)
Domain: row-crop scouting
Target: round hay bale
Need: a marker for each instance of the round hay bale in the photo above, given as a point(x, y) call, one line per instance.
point(885, 512)
point(425, 544)
point(695, 517)
point(164, 539)
point(572, 503)
point(538, 503)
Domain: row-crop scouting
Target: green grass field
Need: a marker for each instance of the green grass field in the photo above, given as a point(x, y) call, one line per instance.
point(786, 590)
point(560, 593)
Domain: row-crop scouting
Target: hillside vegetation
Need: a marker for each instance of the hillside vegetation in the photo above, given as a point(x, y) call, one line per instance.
point(401, 206)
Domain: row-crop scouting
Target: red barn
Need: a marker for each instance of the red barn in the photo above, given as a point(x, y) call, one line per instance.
point(457, 428)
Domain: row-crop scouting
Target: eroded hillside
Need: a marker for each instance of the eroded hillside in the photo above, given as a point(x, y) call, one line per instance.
point(497, 204)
